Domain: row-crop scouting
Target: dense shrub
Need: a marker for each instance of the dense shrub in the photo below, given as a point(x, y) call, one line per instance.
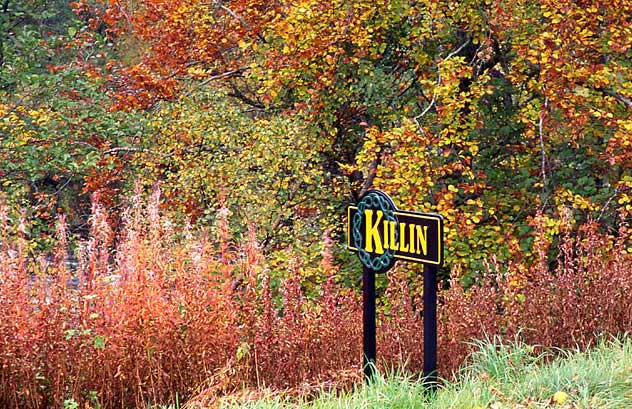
point(153, 312)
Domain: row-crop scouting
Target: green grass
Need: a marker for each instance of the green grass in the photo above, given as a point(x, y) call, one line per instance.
point(500, 375)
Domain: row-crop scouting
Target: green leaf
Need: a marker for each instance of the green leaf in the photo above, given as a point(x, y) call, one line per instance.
point(99, 342)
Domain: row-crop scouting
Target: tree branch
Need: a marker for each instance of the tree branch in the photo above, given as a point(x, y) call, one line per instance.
point(5, 9)
point(276, 224)
point(541, 133)
point(120, 149)
point(241, 96)
point(605, 206)
point(227, 74)
point(240, 19)
point(434, 93)
point(368, 182)
point(610, 92)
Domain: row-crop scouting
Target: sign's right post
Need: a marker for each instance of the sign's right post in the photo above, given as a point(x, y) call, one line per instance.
point(430, 324)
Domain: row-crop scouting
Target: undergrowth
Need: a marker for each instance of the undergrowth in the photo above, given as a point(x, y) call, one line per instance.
point(153, 312)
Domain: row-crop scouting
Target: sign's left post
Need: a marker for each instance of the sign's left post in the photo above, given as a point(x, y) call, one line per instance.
point(369, 319)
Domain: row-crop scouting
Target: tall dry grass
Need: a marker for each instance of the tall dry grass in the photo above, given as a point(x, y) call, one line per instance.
point(156, 312)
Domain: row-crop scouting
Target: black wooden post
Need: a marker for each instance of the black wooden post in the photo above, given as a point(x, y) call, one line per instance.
point(430, 324)
point(368, 318)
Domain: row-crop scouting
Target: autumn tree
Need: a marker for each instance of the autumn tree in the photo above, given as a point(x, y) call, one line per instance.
point(492, 113)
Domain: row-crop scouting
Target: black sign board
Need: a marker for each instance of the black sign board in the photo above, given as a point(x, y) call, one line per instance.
point(415, 237)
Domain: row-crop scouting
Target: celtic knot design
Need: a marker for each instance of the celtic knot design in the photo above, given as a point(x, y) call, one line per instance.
point(376, 201)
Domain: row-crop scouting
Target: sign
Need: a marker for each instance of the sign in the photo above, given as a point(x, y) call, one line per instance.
point(381, 234)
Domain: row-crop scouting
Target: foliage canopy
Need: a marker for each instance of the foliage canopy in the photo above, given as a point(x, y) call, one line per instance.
point(498, 115)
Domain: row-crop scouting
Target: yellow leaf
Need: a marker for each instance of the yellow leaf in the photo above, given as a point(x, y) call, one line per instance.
point(560, 397)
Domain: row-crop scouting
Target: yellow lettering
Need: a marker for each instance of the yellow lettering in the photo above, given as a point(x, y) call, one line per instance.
point(394, 243)
point(386, 245)
point(411, 238)
point(403, 246)
point(422, 240)
point(372, 233)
